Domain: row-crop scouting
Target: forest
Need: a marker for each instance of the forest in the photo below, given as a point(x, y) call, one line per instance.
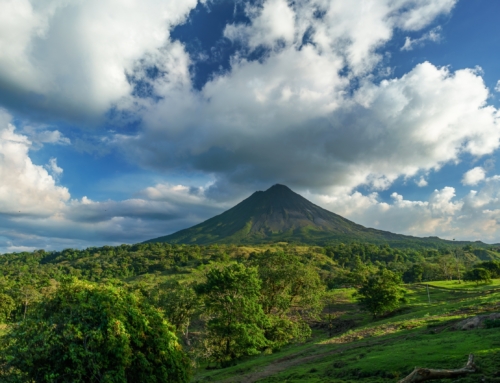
point(156, 312)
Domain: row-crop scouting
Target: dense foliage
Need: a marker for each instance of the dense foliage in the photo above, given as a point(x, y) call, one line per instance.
point(291, 293)
point(478, 274)
point(237, 321)
point(381, 292)
point(93, 333)
point(223, 301)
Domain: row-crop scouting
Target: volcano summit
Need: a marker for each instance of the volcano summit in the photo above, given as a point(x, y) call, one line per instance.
point(279, 214)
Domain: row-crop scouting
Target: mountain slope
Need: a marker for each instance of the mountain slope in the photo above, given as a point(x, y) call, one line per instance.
point(279, 214)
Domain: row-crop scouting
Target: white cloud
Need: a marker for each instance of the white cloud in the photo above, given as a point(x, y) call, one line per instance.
point(84, 222)
point(160, 202)
point(293, 115)
point(49, 137)
point(26, 188)
point(274, 22)
point(18, 249)
point(53, 168)
point(274, 121)
point(433, 35)
point(474, 176)
point(157, 211)
point(36, 212)
point(473, 217)
point(422, 182)
point(352, 30)
point(310, 114)
point(70, 58)
point(497, 87)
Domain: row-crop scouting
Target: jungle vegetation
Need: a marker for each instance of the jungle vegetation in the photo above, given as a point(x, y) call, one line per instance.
point(158, 312)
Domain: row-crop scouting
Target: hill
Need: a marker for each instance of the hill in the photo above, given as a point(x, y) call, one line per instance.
point(279, 214)
point(350, 346)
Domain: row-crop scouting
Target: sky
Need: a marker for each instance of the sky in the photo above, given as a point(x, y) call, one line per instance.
point(122, 121)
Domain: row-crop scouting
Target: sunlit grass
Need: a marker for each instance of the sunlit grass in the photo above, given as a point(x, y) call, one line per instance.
point(386, 349)
point(494, 284)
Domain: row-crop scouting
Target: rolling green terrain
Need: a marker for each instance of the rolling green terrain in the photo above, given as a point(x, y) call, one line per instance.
point(385, 350)
point(279, 214)
point(315, 331)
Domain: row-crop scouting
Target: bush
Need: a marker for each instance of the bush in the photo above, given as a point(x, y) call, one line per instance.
point(381, 293)
point(93, 333)
point(478, 275)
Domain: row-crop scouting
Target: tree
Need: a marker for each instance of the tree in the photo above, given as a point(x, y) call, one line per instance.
point(381, 293)
point(478, 275)
point(235, 327)
point(360, 271)
point(27, 294)
point(179, 303)
point(447, 264)
point(291, 293)
point(414, 274)
point(93, 333)
point(7, 305)
point(492, 266)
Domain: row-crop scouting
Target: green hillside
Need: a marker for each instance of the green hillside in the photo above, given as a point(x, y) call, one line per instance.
point(386, 350)
point(315, 328)
point(279, 214)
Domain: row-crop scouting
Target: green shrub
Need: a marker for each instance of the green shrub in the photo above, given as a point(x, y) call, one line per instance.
point(93, 333)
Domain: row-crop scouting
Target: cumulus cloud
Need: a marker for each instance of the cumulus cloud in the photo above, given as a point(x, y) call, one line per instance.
point(275, 21)
point(311, 112)
point(276, 122)
point(433, 35)
point(497, 87)
point(67, 59)
point(160, 202)
point(35, 211)
point(70, 58)
point(295, 116)
point(473, 217)
point(474, 176)
point(158, 210)
point(26, 188)
point(422, 182)
point(351, 30)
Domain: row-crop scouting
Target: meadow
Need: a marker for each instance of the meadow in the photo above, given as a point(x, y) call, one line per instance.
point(419, 334)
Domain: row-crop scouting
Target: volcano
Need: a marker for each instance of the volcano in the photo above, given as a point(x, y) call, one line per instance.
point(281, 215)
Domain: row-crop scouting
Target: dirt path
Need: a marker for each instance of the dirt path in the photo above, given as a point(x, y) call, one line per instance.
point(292, 360)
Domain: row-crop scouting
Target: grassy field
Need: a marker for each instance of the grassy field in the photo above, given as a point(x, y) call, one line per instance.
point(455, 285)
point(383, 350)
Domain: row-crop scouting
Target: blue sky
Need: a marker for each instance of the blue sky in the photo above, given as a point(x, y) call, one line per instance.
point(120, 122)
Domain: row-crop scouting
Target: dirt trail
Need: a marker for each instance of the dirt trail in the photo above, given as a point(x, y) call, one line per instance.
point(292, 360)
point(295, 359)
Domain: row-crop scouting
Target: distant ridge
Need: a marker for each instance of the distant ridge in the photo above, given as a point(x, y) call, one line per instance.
point(280, 214)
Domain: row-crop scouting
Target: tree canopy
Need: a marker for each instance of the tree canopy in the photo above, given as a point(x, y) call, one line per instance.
point(235, 327)
point(381, 292)
point(93, 333)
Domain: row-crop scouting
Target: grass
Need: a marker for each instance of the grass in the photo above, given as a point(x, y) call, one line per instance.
point(385, 349)
point(395, 359)
point(455, 285)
